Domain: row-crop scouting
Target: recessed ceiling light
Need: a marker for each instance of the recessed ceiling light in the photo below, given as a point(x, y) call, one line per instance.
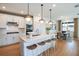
point(3, 7)
point(54, 5)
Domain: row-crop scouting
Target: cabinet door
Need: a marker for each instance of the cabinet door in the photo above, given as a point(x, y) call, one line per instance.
point(1, 42)
point(3, 19)
point(15, 18)
point(16, 38)
point(9, 39)
point(21, 22)
point(4, 41)
point(12, 18)
point(13, 40)
point(9, 18)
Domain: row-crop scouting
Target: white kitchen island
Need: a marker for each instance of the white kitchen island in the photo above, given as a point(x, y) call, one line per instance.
point(42, 43)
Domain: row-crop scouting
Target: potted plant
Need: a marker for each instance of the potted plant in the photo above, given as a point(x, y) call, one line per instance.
point(47, 30)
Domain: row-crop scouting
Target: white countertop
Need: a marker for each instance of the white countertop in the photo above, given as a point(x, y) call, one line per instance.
point(26, 38)
point(36, 39)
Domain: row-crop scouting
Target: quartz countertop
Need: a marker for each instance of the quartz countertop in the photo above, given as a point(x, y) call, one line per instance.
point(35, 39)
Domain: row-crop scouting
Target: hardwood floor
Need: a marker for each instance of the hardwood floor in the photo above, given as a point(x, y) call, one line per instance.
point(12, 50)
point(63, 48)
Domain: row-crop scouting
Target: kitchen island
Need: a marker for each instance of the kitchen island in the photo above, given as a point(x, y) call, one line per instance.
point(36, 45)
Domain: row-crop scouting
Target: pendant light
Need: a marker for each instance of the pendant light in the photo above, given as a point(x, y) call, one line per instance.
point(41, 20)
point(28, 17)
point(50, 22)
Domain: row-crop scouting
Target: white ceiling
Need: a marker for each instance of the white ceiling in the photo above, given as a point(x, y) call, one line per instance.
point(61, 9)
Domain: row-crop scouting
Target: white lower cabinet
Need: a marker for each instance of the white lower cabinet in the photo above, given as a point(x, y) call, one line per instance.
point(9, 39)
point(1, 42)
point(15, 38)
point(12, 38)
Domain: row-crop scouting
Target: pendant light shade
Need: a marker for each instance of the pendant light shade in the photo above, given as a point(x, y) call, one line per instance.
point(41, 20)
point(28, 17)
point(50, 22)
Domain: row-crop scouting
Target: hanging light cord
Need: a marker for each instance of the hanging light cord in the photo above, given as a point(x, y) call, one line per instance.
point(28, 9)
point(50, 13)
point(41, 11)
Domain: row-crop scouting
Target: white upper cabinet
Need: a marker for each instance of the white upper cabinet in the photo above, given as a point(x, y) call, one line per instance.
point(12, 18)
point(21, 22)
point(15, 19)
point(9, 18)
point(3, 19)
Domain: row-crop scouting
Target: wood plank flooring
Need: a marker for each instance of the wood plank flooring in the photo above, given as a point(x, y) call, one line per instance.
point(12, 50)
point(63, 48)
